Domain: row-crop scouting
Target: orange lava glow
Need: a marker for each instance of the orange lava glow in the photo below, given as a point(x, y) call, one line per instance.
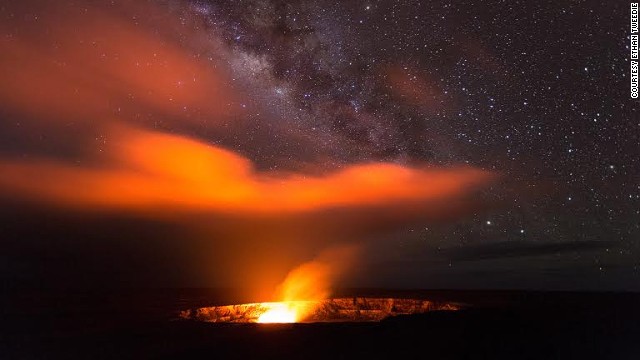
point(281, 312)
point(351, 309)
point(306, 286)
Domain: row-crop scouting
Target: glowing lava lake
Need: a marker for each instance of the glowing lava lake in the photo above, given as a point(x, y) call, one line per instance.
point(352, 309)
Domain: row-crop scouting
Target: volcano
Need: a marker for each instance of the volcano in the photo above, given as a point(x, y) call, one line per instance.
point(352, 309)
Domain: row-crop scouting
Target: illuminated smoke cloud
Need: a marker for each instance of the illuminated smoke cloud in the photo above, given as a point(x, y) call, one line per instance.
point(150, 170)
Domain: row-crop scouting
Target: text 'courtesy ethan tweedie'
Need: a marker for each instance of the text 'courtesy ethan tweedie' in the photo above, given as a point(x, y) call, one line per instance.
point(634, 50)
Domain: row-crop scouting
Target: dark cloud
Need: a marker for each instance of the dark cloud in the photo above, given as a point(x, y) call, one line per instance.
point(522, 249)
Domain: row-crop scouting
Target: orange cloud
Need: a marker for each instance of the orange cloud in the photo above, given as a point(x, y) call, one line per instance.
point(154, 171)
point(416, 88)
point(61, 62)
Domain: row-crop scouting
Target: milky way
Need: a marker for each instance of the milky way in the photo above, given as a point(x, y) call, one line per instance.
point(534, 91)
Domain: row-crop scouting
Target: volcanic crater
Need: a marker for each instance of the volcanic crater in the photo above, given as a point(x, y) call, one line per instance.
point(347, 309)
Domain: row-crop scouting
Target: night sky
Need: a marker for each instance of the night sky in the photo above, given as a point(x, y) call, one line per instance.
point(482, 144)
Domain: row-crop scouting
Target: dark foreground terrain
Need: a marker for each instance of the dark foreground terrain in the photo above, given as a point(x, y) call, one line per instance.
point(497, 325)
